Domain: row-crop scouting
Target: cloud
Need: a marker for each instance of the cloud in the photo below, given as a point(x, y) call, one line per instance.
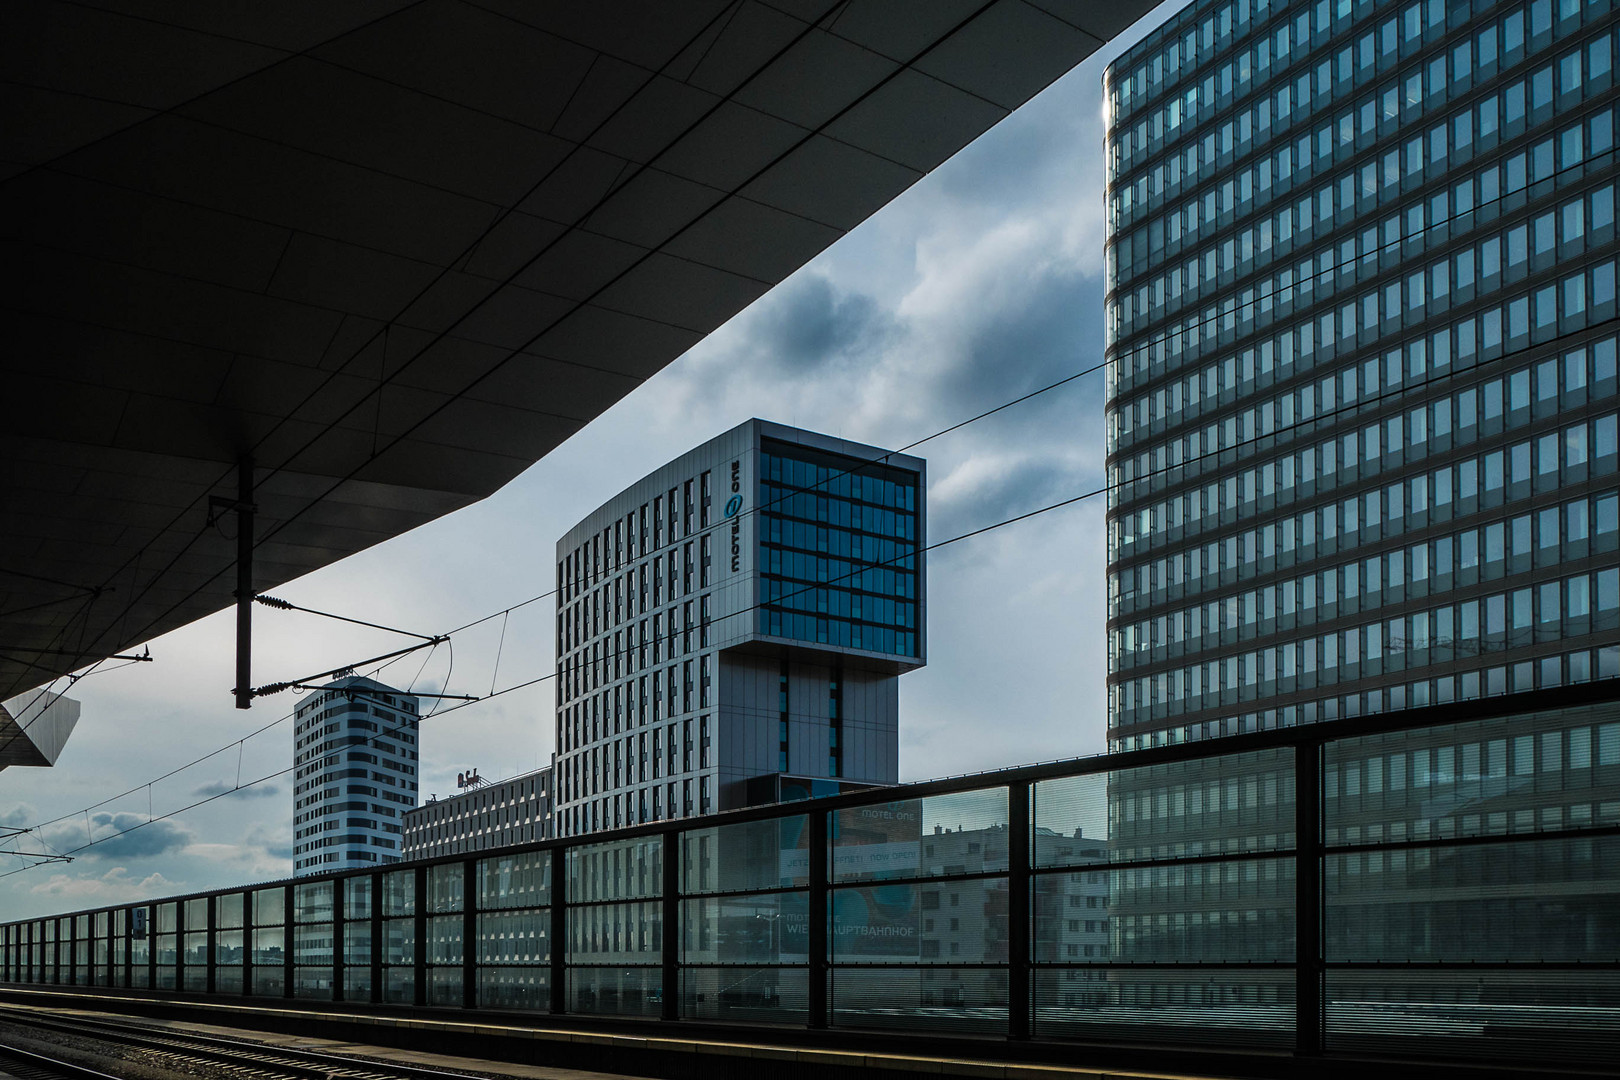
point(17, 816)
point(115, 886)
point(120, 836)
point(220, 787)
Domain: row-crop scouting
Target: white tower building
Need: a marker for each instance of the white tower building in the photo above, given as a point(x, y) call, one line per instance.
point(355, 753)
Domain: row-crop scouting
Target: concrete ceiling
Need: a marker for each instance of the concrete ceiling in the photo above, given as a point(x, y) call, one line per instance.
point(395, 252)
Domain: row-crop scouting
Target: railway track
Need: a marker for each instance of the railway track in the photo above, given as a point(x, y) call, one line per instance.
point(182, 1052)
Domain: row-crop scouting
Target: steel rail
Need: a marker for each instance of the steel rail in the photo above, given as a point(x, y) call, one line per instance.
point(213, 1050)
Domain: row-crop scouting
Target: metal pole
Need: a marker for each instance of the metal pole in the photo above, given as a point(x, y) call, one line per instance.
point(288, 930)
point(469, 934)
point(1019, 911)
point(419, 930)
point(211, 944)
point(378, 943)
point(244, 584)
point(339, 910)
point(1308, 966)
point(817, 917)
point(671, 911)
point(559, 930)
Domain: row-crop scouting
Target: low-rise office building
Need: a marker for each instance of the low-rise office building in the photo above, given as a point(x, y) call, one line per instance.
point(514, 811)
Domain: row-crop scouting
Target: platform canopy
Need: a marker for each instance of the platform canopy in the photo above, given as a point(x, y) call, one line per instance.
point(394, 252)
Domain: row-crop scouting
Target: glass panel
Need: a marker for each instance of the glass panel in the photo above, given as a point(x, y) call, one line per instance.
point(1549, 899)
point(399, 941)
point(760, 929)
point(228, 980)
point(946, 834)
point(1071, 916)
point(1236, 912)
point(165, 920)
point(615, 933)
point(1166, 1005)
point(514, 937)
point(512, 881)
point(771, 994)
point(269, 981)
point(1228, 804)
point(228, 911)
point(312, 982)
point(196, 949)
point(929, 999)
point(617, 870)
point(399, 892)
point(313, 944)
point(357, 897)
point(444, 986)
point(268, 946)
point(1469, 1014)
point(1514, 775)
point(444, 887)
point(515, 988)
point(357, 983)
point(197, 913)
point(748, 855)
point(399, 985)
point(940, 922)
point(165, 949)
point(617, 990)
point(228, 945)
point(357, 944)
point(444, 939)
point(269, 907)
point(312, 902)
point(140, 952)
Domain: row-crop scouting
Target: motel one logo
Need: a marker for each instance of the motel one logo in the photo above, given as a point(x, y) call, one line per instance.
point(733, 509)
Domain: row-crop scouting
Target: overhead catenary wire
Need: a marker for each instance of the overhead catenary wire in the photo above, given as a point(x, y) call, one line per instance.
point(1547, 181)
point(1317, 419)
point(1363, 404)
point(442, 333)
point(1352, 407)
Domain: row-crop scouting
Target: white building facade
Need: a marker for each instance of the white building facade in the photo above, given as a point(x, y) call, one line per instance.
point(355, 776)
point(502, 812)
point(743, 611)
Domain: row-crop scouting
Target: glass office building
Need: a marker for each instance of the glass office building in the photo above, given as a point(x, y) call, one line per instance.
point(742, 613)
point(1362, 330)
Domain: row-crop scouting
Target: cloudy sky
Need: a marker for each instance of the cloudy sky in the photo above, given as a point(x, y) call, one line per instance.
point(982, 282)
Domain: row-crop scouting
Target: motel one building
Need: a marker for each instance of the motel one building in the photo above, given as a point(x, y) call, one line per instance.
point(734, 625)
point(1361, 328)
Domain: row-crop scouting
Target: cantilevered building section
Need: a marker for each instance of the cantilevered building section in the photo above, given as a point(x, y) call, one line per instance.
point(356, 774)
point(35, 727)
point(1361, 319)
point(743, 612)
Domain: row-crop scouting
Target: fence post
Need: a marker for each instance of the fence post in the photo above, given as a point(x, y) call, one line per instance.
point(469, 934)
point(816, 946)
point(559, 930)
point(211, 946)
point(671, 918)
point(289, 930)
point(1019, 911)
point(340, 907)
point(1308, 967)
point(419, 993)
point(378, 942)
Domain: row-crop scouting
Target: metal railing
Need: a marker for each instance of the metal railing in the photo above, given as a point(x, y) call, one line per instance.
point(1443, 881)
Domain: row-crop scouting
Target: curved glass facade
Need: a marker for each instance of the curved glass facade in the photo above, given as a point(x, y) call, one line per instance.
point(1361, 319)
